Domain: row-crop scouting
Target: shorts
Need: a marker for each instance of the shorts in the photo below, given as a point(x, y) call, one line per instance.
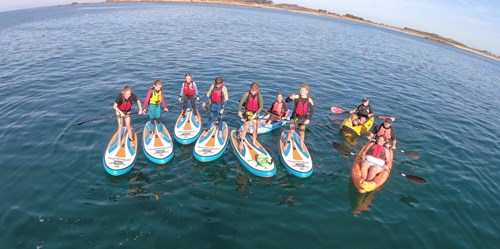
point(375, 161)
point(248, 116)
point(300, 121)
point(273, 117)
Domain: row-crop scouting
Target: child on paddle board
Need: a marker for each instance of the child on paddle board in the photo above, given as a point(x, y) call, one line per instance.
point(188, 93)
point(155, 98)
point(123, 105)
point(361, 113)
point(303, 111)
point(277, 112)
point(253, 102)
point(218, 96)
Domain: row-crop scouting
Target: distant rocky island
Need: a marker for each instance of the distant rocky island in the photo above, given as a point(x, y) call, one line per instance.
point(321, 12)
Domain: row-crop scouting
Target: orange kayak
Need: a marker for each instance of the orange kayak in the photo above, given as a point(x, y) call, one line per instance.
point(378, 181)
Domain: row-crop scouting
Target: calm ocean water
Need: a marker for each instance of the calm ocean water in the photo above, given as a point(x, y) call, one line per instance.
point(63, 65)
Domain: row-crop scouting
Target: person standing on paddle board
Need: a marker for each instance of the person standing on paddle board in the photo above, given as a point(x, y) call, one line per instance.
point(218, 96)
point(361, 113)
point(122, 106)
point(373, 160)
point(386, 131)
point(277, 112)
point(154, 98)
point(253, 102)
point(188, 93)
point(303, 111)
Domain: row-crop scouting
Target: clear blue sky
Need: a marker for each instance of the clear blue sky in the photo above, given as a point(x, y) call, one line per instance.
point(476, 23)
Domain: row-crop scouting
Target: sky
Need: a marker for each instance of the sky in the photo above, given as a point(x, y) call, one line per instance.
point(475, 23)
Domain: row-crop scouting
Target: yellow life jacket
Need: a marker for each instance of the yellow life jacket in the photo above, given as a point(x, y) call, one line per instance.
point(156, 97)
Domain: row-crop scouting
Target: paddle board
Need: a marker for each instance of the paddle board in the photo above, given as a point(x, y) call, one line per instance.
point(263, 128)
point(157, 143)
point(294, 158)
point(119, 160)
point(188, 128)
point(212, 143)
point(249, 154)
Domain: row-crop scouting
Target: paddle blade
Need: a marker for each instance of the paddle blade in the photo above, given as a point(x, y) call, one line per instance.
point(337, 110)
point(414, 179)
point(386, 117)
point(411, 154)
point(342, 148)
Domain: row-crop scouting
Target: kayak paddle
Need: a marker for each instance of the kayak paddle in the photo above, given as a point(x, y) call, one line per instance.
point(345, 150)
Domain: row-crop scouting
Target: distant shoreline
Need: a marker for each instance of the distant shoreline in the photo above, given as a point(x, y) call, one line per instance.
point(324, 13)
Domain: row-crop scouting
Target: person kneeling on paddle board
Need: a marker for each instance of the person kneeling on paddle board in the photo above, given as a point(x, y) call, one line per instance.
point(122, 106)
point(303, 111)
point(218, 96)
point(253, 102)
point(373, 160)
point(277, 112)
point(361, 113)
point(385, 130)
point(154, 98)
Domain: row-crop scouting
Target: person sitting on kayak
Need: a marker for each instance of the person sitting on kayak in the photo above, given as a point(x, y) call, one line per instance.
point(277, 112)
point(361, 113)
point(373, 159)
point(154, 98)
point(385, 130)
point(253, 102)
point(188, 93)
point(218, 96)
point(123, 105)
point(303, 112)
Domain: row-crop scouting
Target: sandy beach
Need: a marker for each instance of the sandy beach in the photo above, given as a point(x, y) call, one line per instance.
point(320, 12)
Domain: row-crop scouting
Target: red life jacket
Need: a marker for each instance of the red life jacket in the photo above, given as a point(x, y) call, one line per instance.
point(252, 103)
point(383, 132)
point(275, 109)
point(217, 95)
point(377, 151)
point(125, 104)
point(188, 89)
point(302, 106)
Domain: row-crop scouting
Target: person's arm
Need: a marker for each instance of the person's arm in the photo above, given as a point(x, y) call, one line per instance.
point(363, 155)
point(261, 105)
point(196, 91)
point(242, 101)
point(140, 106)
point(226, 97)
point(394, 140)
point(271, 108)
point(370, 111)
point(286, 111)
point(311, 109)
point(354, 111)
point(210, 92)
point(118, 101)
point(181, 93)
point(372, 133)
point(146, 101)
point(163, 102)
point(115, 106)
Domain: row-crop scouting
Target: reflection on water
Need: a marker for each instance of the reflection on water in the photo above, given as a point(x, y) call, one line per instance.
point(360, 202)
